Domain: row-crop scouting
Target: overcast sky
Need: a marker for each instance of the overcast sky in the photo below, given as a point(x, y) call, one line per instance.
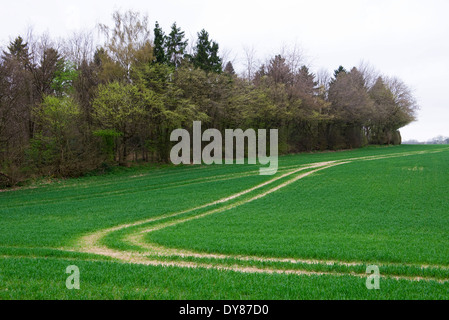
point(403, 38)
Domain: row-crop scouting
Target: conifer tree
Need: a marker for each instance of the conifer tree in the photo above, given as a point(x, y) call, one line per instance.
point(175, 46)
point(206, 54)
point(159, 44)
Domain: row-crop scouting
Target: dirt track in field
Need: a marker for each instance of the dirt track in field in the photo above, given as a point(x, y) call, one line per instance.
point(92, 243)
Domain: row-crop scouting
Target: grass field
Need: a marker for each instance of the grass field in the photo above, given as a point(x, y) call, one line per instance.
point(225, 232)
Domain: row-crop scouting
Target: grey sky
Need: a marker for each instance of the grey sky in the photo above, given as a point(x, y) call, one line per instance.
point(404, 38)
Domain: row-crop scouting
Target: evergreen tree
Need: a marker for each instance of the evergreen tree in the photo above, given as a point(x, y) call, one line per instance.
point(229, 69)
point(279, 71)
point(340, 70)
point(206, 54)
point(18, 50)
point(175, 46)
point(159, 44)
point(120, 102)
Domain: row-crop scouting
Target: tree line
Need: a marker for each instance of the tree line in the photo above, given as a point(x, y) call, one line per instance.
point(71, 107)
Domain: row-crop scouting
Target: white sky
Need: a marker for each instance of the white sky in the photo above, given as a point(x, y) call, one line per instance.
point(404, 38)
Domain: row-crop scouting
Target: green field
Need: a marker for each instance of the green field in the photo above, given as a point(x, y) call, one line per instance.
point(225, 232)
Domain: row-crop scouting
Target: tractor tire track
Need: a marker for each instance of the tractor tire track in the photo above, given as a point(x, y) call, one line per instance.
point(92, 243)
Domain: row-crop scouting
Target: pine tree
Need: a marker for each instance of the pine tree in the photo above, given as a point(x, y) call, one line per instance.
point(337, 72)
point(159, 44)
point(229, 69)
point(340, 70)
point(206, 54)
point(175, 46)
point(18, 50)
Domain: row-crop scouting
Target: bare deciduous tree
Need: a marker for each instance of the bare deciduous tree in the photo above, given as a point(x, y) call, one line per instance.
point(79, 47)
point(294, 57)
point(129, 35)
point(369, 73)
point(250, 62)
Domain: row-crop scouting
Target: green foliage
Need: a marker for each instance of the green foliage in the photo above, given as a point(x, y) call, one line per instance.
point(118, 106)
point(64, 78)
point(54, 145)
point(122, 108)
point(175, 46)
point(144, 90)
point(108, 137)
point(57, 114)
point(42, 151)
point(159, 45)
point(206, 55)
